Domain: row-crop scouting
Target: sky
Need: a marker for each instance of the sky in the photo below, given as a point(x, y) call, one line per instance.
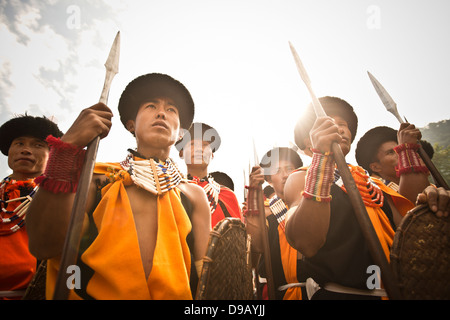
point(234, 58)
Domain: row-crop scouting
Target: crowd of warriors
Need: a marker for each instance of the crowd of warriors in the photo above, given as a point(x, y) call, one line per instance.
point(147, 224)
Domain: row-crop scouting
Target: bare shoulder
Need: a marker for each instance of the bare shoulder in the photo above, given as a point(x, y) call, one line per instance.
point(296, 179)
point(295, 184)
point(201, 214)
point(97, 179)
point(193, 192)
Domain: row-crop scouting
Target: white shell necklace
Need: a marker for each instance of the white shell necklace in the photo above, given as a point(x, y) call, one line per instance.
point(155, 176)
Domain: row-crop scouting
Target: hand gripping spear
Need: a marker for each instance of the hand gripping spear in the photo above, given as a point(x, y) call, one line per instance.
point(391, 106)
point(73, 237)
point(367, 228)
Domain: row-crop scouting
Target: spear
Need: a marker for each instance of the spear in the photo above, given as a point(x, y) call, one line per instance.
point(245, 184)
point(73, 237)
point(264, 235)
point(367, 228)
point(391, 106)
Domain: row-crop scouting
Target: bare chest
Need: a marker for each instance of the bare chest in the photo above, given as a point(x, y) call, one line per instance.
point(144, 208)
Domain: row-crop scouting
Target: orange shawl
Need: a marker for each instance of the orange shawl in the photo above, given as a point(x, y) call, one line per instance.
point(381, 223)
point(289, 262)
point(115, 256)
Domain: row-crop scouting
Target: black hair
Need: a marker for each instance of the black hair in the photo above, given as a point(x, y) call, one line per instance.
point(25, 125)
point(273, 157)
point(333, 106)
point(367, 147)
point(199, 128)
point(223, 179)
point(150, 86)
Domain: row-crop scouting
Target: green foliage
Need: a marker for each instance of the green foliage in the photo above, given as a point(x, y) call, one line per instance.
point(437, 133)
point(441, 160)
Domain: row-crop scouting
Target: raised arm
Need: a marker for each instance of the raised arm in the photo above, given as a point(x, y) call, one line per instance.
point(412, 180)
point(307, 226)
point(256, 179)
point(49, 213)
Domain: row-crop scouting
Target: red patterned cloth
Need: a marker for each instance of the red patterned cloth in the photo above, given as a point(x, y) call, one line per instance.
point(17, 264)
point(220, 198)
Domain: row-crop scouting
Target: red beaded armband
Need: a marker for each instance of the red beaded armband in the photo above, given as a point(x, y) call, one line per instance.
point(319, 177)
point(251, 203)
point(408, 159)
point(250, 212)
point(63, 167)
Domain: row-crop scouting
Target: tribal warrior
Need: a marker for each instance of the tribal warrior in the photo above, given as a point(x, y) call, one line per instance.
point(197, 148)
point(321, 222)
point(22, 139)
point(275, 167)
point(139, 212)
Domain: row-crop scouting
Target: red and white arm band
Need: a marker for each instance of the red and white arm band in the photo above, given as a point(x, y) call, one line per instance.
point(63, 167)
point(408, 159)
point(319, 177)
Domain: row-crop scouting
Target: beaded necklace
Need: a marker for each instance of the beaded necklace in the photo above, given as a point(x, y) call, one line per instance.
point(155, 176)
point(278, 209)
point(11, 187)
point(371, 194)
point(211, 188)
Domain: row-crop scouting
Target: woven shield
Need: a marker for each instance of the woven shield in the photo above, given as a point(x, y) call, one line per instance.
point(226, 273)
point(420, 256)
point(36, 288)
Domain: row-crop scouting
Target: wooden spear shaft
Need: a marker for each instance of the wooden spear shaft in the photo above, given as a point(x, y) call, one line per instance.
point(73, 237)
point(265, 240)
point(264, 235)
point(362, 216)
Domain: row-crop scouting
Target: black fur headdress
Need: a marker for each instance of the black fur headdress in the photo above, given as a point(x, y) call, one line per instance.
point(25, 125)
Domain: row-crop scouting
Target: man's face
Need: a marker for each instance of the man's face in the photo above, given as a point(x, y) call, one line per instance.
point(197, 152)
point(345, 133)
point(278, 179)
point(27, 157)
point(387, 160)
point(157, 124)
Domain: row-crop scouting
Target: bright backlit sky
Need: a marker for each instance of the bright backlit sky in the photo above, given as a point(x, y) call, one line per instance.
point(234, 57)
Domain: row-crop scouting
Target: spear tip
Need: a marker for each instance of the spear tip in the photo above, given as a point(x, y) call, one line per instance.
point(112, 63)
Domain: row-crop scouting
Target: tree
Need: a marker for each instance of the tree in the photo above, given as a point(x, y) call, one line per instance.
point(440, 160)
point(437, 132)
